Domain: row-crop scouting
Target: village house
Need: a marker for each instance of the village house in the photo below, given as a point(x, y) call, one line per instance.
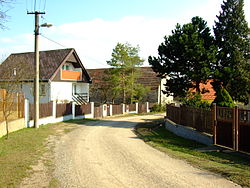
point(63, 77)
point(147, 77)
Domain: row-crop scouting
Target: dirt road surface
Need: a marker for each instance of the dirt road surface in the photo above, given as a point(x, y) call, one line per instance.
point(107, 154)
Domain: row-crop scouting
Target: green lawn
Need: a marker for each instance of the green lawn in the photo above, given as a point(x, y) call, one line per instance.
point(233, 166)
point(21, 150)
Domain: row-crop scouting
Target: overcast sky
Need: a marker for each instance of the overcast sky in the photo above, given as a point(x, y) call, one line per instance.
point(93, 27)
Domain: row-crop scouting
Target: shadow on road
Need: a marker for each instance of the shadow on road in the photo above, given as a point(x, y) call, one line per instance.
point(127, 122)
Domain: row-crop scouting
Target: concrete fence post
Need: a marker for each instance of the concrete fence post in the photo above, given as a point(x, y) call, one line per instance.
point(26, 112)
point(92, 109)
point(73, 110)
point(137, 107)
point(111, 110)
point(54, 109)
point(104, 110)
point(123, 108)
point(147, 105)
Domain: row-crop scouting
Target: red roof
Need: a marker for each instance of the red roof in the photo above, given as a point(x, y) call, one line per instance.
point(210, 95)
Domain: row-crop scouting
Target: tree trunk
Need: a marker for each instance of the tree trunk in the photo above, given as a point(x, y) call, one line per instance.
point(6, 126)
point(197, 87)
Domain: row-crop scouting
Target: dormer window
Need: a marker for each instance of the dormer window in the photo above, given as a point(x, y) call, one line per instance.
point(65, 67)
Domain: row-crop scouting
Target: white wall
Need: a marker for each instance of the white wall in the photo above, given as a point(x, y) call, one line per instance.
point(27, 89)
point(164, 98)
point(61, 91)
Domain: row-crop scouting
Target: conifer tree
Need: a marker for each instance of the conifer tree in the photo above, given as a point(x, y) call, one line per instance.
point(125, 62)
point(186, 57)
point(232, 38)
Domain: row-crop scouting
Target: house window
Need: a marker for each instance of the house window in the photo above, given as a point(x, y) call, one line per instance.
point(65, 67)
point(42, 90)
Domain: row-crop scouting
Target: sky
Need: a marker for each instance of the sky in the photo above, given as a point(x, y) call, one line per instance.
point(94, 27)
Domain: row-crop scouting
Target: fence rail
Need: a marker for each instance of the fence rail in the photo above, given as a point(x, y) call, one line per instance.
point(11, 105)
point(142, 108)
point(63, 109)
point(117, 109)
point(199, 119)
point(229, 126)
point(45, 110)
point(83, 109)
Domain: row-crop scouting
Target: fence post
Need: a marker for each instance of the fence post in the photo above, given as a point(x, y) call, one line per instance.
point(92, 109)
point(137, 107)
point(236, 128)
point(111, 110)
point(73, 110)
point(26, 112)
point(147, 105)
point(214, 121)
point(54, 109)
point(123, 108)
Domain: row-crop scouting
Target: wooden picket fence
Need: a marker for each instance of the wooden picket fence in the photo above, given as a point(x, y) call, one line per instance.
point(11, 104)
point(230, 127)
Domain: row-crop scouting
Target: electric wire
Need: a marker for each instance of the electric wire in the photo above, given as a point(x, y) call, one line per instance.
point(90, 58)
point(44, 5)
point(52, 41)
point(26, 5)
point(35, 5)
point(40, 5)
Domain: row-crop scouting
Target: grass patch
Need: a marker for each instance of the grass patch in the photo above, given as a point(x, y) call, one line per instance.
point(233, 166)
point(21, 150)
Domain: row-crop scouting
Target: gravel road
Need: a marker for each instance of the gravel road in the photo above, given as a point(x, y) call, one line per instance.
point(108, 154)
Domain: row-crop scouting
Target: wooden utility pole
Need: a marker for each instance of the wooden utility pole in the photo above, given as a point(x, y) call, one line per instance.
point(36, 59)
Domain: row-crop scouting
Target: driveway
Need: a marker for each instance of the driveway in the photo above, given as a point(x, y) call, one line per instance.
point(108, 154)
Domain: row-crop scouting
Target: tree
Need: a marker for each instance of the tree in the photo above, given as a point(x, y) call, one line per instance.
point(125, 62)
point(185, 57)
point(223, 99)
point(232, 38)
point(4, 6)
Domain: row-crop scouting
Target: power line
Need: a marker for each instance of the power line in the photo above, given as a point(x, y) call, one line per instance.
point(44, 5)
point(35, 5)
point(53, 41)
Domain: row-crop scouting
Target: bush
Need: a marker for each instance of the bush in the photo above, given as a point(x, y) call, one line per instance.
point(194, 100)
point(223, 99)
point(158, 108)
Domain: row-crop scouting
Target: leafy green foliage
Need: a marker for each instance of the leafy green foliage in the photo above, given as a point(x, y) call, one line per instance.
point(223, 99)
point(125, 62)
point(158, 108)
point(194, 100)
point(232, 38)
point(185, 57)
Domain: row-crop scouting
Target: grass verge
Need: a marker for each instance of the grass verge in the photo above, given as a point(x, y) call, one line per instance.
point(24, 148)
point(20, 151)
point(232, 166)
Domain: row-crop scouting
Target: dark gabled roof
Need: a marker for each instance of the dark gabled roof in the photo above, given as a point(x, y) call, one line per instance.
point(147, 77)
point(50, 62)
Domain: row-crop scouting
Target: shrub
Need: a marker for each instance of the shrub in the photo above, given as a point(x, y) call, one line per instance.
point(194, 100)
point(158, 108)
point(223, 99)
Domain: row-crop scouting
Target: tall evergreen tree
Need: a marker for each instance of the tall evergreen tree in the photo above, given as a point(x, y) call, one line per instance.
point(232, 38)
point(185, 57)
point(125, 61)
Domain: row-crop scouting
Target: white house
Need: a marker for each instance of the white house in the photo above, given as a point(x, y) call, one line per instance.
point(63, 77)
